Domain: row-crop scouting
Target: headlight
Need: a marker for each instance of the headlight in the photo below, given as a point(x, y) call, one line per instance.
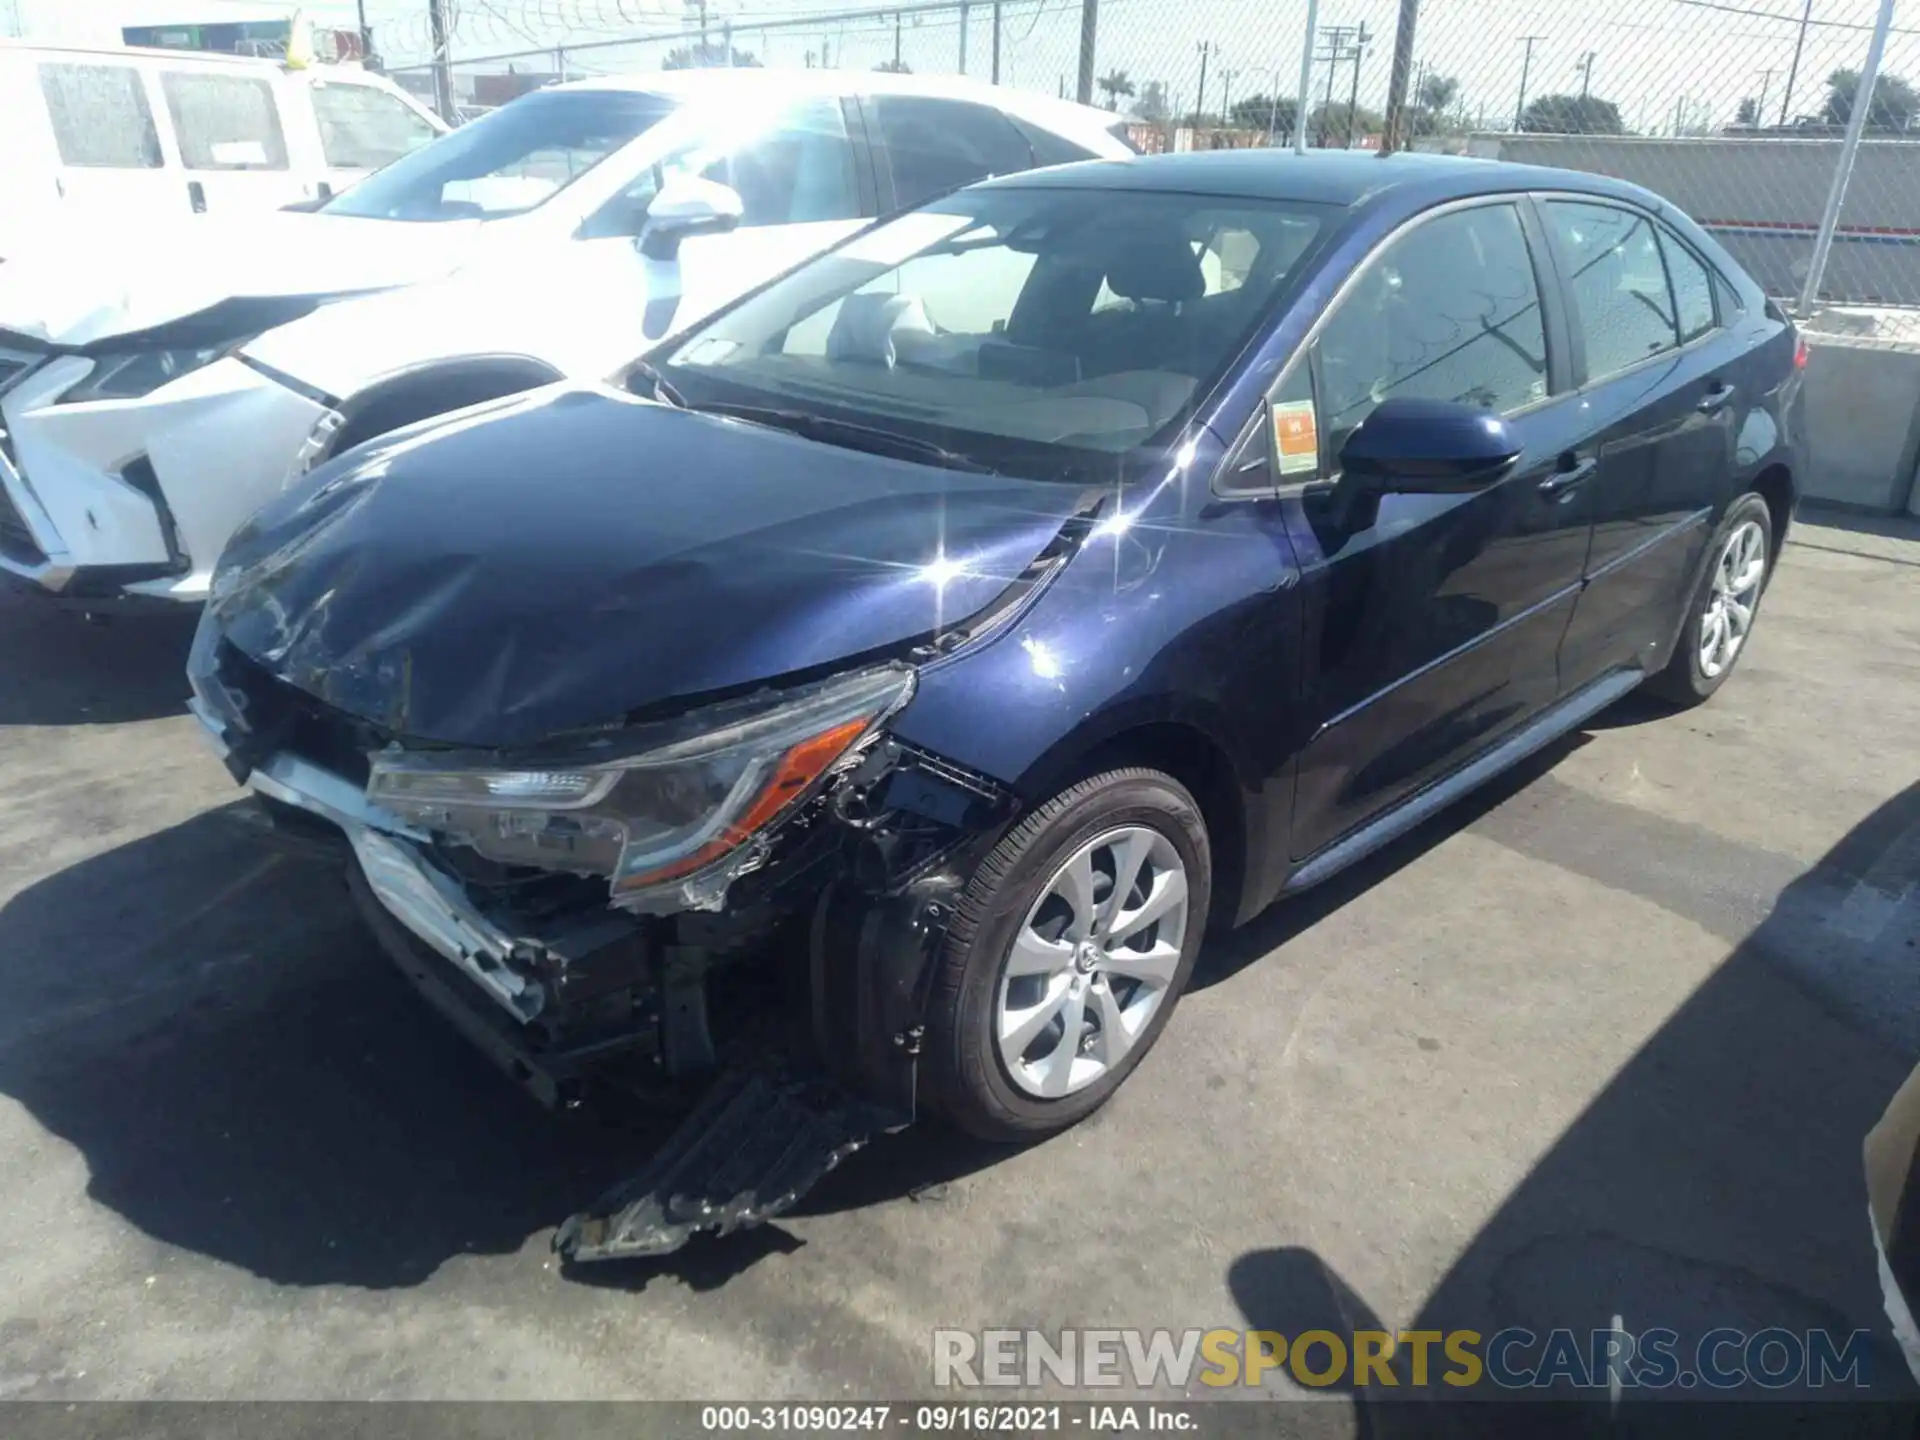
point(141, 372)
point(686, 814)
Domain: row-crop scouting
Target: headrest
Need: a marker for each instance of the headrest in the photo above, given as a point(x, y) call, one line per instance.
point(870, 327)
point(1155, 265)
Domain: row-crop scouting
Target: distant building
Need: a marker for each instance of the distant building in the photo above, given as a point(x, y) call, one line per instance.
point(492, 90)
point(265, 38)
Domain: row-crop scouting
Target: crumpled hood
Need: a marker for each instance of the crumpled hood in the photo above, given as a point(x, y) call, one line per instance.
point(559, 560)
point(80, 285)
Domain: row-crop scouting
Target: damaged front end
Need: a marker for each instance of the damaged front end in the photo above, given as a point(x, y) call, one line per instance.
point(743, 899)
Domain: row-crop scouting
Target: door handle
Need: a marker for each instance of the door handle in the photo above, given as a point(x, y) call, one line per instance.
point(1568, 477)
point(197, 197)
point(1718, 395)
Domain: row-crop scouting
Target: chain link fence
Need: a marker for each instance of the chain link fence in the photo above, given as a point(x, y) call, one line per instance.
point(1734, 109)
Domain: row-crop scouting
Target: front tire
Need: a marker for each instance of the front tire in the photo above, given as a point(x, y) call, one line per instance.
point(1724, 606)
point(1068, 951)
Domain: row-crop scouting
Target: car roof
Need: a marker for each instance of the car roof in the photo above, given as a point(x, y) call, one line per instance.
point(700, 84)
point(167, 55)
point(1332, 177)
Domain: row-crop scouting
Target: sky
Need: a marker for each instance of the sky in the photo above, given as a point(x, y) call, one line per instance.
point(1657, 59)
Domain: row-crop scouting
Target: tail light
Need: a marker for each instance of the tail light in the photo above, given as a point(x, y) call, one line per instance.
point(1799, 352)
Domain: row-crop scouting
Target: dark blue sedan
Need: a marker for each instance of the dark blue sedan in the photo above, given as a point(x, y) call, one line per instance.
point(864, 707)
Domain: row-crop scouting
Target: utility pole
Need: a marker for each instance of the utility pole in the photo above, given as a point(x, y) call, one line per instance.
point(1679, 115)
point(1200, 105)
point(1336, 47)
point(1306, 79)
point(440, 27)
point(1793, 70)
point(367, 57)
point(726, 39)
point(1760, 105)
point(996, 42)
point(1089, 23)
point(1396, 125)
point(1526, 68)
point(963, 37)
point(826, 53)
point(1226, 94)
point(1585, 67)
point(1353, 99)
point(896, 42)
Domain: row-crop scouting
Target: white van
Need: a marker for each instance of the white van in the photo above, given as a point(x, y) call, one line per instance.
point(109, 136)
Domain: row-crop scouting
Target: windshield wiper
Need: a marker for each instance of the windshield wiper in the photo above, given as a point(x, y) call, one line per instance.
point(662, 387)
point(851, 435)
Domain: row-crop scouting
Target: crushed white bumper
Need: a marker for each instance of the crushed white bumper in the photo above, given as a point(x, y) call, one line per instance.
point(139, 497)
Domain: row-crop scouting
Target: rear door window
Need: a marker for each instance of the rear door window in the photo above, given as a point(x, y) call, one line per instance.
point(933, 146)
point(224, 122)
point(1618, 282)
point(362, 128)
point(100, 116)
point(1692, 288)
point(1049, 148)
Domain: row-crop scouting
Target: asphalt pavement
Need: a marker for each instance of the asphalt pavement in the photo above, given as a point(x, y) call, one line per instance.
point(1601, 1042)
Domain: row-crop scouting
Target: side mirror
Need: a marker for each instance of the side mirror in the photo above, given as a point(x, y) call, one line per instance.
point(1433, 447)
point(688, 205)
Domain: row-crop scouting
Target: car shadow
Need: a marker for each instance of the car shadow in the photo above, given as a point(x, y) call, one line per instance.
point(248, 1078)
point(1227, 955)
point(1871, 523)
point(64, 667)
point(1715, 1181)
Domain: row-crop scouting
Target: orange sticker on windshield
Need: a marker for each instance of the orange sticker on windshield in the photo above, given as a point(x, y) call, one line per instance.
point(1296, 437)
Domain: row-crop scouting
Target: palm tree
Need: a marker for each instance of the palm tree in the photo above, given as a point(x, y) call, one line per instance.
point(1117, 86)
point(1437, 92)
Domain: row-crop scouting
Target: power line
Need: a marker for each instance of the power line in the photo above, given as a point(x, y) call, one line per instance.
point(1804, 21)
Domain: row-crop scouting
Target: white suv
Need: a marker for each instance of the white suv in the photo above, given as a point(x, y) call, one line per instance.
point(157, 389)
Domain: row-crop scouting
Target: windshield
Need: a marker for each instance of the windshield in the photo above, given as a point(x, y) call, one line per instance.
point(506, 162)
point(1034, 331)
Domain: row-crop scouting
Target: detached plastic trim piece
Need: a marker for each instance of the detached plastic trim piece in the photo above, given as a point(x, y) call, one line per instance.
point(748, 1152)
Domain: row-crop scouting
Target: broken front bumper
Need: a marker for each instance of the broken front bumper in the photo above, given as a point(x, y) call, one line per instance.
point(429, 903)
point(870, 875)
point(556, 1001)
point(136, 498)
point(484, 976)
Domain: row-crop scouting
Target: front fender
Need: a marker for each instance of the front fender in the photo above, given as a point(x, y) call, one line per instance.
point(348, 348)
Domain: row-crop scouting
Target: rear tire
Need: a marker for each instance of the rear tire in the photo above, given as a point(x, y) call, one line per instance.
point(1051, 988)
point(1724, 606)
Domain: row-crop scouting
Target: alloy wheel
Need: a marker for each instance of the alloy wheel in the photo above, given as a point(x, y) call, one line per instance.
point(1092, 962)
point(1735, 591)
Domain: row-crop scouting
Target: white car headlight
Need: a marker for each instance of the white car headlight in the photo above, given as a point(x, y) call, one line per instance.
point(667, 817)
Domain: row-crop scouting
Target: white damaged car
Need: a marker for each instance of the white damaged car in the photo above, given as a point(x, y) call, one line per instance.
point(157, 389)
